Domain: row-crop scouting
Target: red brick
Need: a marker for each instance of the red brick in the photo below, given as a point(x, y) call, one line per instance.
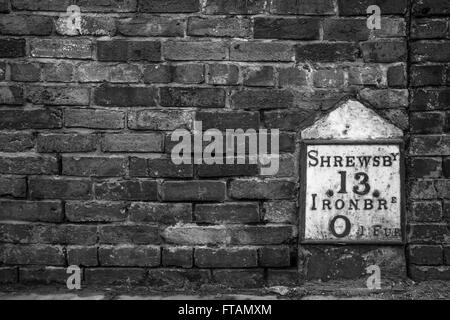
point(326, 52)
point(36, 254)
point(262, 189)
point(93, 119)
point(82, 256)
point(195, 235)
point(193, 191)
point(58, 72)
point(159, 120)
point(58, 95)
point(193, 97)
point(125, 96)
point(261, 51)
point(51, 143)
point(190, 50)
point(223, 74)
point(25, 72)
point(261, 76)
point(262, 99)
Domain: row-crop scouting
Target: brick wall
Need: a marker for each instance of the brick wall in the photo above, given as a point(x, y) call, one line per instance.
point(86, 114)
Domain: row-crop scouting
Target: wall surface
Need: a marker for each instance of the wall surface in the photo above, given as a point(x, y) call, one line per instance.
point(88, 103)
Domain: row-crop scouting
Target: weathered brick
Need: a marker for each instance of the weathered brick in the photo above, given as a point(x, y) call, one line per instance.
point(225, 258)
point(115, 276)
point(260, 76)
point(426, 255)
point(426, 273)
point(8, 274)
point(159, 168)
point(425, 168)
point(13, 186)
point(58, 95)
point(157, 26)
point(2, 71)
point(366, 75)
point(193, 97)
point(385, 98)
point(58, 72)
point(262, 235)
point(429, 122)
point(262, 99)
point(227, 213)
point(432, 51)
point(12, 48)
point(193, 73)
point(51, 143)
point(283, 28)
point(292, 77)
point(25, 25)
point(430, 145)
point(107, 5)
point(35, 254)
point(447, 255)
point(396, 76)
point(30, 164)
point(274, 257)
point(41, 211)
point(326, 52)
point(190, 50)
point(5, 6)
point(280, 212)
point(95, 211)
point(40, 5)
point(82, 256)
point(59, 188)
point(25, 72)
point(422, 190)
point(119, 73)
point(359, 7)
point(284, 277)
point(89, 26)
point(125, 50)
point(427, 233)
point(169, 6)
point(151, 142)
point(129, 256)
point(223, 74)
point(442, 188)
point(97, 166)
point(232, 27)
point(234, 7)
point(129, 234)
point(159, 120)
point(193, 191)
point(61, 48)
point(329, 78)
point(429, 99)
point(228, 120)
point(262, 189)
point(11, 95)
point(239, 278)
point(429, 75)
point(384, 51)
point(120, 96)
point(428, 29)
point(227, 170)
point(158, 73)
point(164, 213)
point(93, 118)
point(195, 235)
point(426, 211)
point(177, 278)
point(42, 275)
point(306, 7)
point(182, 257)
point(261, 51)
point(131, 190)
point(430, 7)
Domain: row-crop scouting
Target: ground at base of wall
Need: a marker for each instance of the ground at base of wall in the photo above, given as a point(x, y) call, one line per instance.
point(338, 290)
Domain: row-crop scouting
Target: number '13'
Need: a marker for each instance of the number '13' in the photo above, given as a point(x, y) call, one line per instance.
point(362, 188)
